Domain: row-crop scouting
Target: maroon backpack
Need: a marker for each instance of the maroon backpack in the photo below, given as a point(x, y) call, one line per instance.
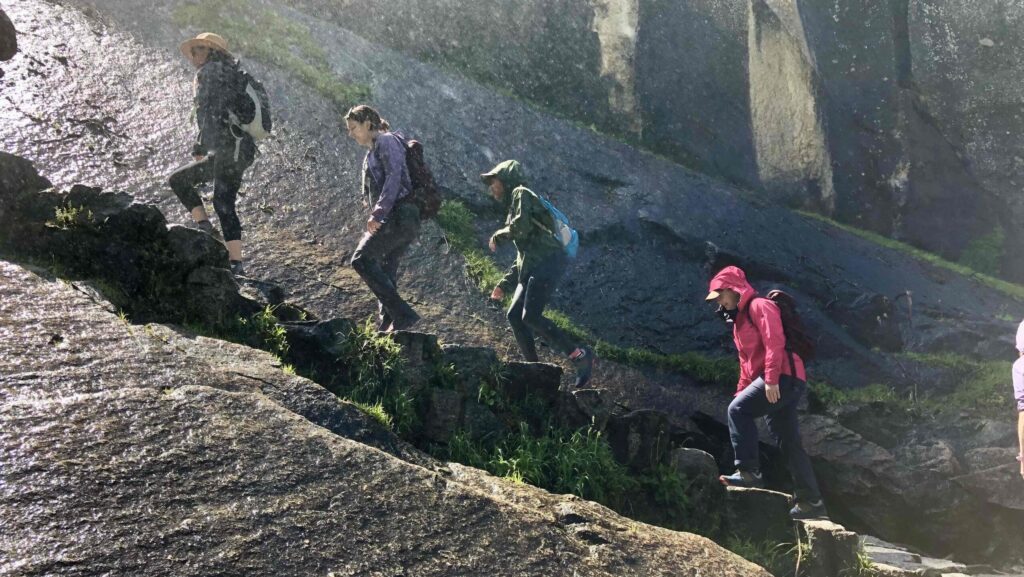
point(425, 193)
point(798, 340)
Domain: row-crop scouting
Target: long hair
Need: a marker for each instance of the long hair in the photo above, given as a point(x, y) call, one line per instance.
point(363, 113)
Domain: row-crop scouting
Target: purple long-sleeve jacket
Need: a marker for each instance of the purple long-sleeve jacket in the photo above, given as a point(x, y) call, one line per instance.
point(1018, 371)
point(385, 174)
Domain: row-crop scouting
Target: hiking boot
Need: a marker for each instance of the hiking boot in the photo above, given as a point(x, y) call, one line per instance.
point(583, 360)
point(404, 323)
point(237, 268)
point(748, 479)
point(384, 325)
point(813, 510)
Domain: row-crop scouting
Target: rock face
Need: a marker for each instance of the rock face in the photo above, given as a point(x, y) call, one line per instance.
point(131, 449)
point(882, 113)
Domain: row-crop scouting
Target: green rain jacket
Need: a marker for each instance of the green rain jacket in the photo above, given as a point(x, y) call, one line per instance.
point(528, 225)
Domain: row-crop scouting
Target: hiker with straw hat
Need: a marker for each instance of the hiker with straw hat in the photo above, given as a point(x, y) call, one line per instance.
point(221, 152)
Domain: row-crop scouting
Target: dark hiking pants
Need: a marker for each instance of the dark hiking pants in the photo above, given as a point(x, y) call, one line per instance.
point(783, 423)
point(226, 175)
point(526, 313)
point(378, 255)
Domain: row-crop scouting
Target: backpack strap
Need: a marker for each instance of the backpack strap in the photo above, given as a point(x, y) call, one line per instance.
point(789, 353)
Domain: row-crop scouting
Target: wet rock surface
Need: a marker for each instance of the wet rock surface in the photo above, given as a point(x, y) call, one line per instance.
point(647, 223)
point(131, 449)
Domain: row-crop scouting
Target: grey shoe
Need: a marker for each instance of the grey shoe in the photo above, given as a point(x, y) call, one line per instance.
point(237, 268)
point(815, 510)
point(748, 479)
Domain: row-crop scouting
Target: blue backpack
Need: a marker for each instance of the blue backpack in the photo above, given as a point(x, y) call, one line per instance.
point(563, 233)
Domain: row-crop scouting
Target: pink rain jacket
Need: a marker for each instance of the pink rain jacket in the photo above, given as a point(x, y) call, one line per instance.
point(761, 343)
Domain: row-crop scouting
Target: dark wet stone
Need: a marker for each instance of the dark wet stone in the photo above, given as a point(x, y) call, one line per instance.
point(538, 380)
point(758, 515)
point(640, 439)
point(583, 408)
point(193, 248)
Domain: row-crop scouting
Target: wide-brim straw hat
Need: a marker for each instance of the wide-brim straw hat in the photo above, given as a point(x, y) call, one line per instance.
point(208, 39)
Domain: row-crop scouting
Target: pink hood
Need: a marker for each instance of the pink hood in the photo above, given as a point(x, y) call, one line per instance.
point(758, 333)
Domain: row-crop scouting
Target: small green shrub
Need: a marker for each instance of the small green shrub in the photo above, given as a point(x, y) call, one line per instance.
point(377, 412)
point(264, 328)
point(779, 559)
point(577, 462)
point(986, 254)
point(375, 368)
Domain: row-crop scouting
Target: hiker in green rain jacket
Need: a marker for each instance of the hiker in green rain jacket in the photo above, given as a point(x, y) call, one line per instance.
point(540, 263)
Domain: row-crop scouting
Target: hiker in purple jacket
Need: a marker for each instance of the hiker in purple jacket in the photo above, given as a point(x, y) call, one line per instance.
point(394, 220)
point(1018, 394)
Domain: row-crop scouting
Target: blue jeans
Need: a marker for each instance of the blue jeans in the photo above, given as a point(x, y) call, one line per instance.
point(784, 425)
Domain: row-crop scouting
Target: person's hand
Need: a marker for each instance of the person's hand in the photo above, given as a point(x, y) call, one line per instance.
point(372, 226)
point(492, 245)
point(198, 157)
point(497, 294)
point(772, 392)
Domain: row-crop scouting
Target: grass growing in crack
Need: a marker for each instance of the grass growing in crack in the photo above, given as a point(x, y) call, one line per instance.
point(457, 222)
point(263, 326)
point(1008, 288)
point(576, 462)
point(375, 377)
point(982, 386)
point(377, 412)
point(271, 38)
point(778, 558)
point(67, 217)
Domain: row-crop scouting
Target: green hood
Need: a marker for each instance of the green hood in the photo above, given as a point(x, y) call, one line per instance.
point(510, 173)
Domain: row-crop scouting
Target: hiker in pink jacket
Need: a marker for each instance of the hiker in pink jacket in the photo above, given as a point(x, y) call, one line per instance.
point(1018, 393)
point(772, 380)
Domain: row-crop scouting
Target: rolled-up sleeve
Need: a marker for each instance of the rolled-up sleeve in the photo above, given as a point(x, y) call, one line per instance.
point(1018, 383)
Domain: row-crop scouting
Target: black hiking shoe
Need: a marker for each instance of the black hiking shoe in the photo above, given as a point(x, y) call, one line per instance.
point(384, 325)
point(404, 323)
point(813, 510)
point(748, 479)
point(584, 363)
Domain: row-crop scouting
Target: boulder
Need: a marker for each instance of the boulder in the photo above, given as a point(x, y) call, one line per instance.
point(521, 380)
point(194, 248)
point(640, 439)
point(994, 476)
point(936, 455)
point(583, 408)
point(831, 549)
point(443, 415)
point(695, 465)
point(758, 515)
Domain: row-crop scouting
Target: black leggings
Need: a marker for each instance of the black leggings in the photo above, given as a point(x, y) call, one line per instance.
point(526, 313)
point(227, 179)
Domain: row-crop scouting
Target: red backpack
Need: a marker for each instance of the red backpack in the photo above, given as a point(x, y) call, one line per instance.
point(425, 193)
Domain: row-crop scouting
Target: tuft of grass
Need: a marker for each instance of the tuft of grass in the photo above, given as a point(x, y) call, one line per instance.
point(986, 254)
point(828, 396)
point(457, 222)
point(265, 35)
point(264, 328)
point(777, 558)
point(983, 386)
point(67, 217)
point(1010, 289)
point(288, 369)
point(375, 366)
point(576, 462)
point(377, 412)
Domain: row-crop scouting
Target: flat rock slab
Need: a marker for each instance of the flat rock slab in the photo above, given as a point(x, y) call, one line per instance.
point(131, 450)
